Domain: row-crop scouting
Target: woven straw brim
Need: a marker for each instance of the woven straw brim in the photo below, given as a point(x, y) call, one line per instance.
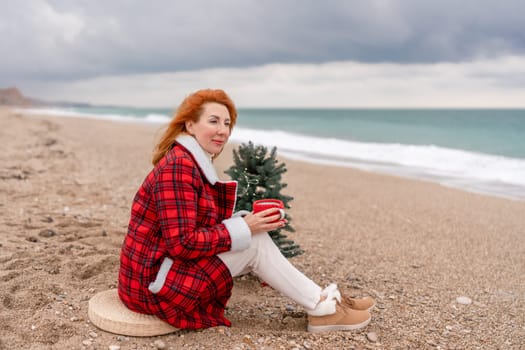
point(107, 312)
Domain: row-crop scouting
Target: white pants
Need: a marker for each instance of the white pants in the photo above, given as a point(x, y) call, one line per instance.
point(265, 260)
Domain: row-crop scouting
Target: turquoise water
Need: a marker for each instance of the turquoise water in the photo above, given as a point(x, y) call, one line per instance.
point(499, 132)
point(476, 150)
point(490, 131)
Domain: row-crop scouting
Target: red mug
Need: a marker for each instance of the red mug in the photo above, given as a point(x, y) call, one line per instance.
point(263, 204)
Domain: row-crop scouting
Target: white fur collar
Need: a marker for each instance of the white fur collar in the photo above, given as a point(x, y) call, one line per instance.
point(202, 158)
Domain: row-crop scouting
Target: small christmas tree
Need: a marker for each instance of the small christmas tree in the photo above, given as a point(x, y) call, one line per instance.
point(259, 177)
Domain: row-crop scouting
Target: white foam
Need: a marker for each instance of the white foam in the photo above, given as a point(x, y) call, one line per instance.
point(471, 171)
point(71, 113)
point(157, 118)
point(467, 170)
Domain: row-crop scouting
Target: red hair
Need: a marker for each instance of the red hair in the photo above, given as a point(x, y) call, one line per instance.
point(191, 109)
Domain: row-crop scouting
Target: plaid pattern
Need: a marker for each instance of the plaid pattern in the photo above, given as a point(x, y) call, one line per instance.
point(177, 213)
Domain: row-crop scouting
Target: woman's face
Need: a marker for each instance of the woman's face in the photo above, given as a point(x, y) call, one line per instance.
point(212, 130)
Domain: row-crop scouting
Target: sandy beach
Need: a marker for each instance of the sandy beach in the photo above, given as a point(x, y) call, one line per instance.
point(66, 186)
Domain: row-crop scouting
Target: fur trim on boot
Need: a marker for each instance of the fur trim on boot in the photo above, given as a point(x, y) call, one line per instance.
point(327, 306)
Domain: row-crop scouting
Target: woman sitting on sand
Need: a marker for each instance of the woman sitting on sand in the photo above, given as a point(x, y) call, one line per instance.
point(183, 245)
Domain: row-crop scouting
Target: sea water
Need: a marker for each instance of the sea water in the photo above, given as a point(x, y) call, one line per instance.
point(475, 150)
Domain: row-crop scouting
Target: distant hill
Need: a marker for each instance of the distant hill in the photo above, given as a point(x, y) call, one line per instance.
point(13, 97)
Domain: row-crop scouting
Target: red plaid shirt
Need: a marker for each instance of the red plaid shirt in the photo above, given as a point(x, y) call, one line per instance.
point(178, 214)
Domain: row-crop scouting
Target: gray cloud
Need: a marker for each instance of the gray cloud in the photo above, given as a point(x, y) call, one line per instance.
point(64, 40)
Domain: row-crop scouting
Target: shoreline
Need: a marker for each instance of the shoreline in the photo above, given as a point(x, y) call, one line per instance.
point(499, 190)
point(416, 246)
point(413, 175)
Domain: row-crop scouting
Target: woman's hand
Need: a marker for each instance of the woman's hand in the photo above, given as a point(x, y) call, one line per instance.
point(259, 222)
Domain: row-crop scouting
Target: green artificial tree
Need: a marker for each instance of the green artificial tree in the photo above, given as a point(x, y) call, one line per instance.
point(259, 177)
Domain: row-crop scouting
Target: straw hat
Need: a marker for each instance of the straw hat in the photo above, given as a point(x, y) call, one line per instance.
point(107, 312)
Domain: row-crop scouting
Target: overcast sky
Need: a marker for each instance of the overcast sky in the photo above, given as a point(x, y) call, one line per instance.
point(369, 53)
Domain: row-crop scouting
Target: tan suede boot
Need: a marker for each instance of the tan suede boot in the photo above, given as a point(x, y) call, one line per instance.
point(366, 303)
point(332, 315)
point(344, 319)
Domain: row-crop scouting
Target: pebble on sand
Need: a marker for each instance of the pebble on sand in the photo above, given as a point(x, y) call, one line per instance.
point(159, 344)
point(372, 336)
point(463, 300)
point(47, 233)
